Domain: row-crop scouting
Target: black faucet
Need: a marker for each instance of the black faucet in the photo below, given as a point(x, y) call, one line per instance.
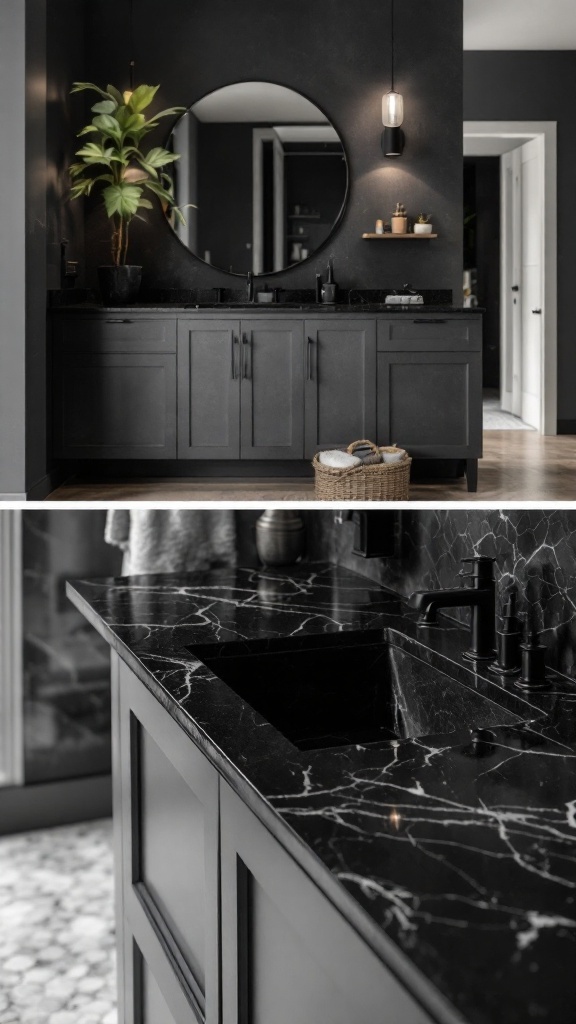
point(480, 598)
point(250, 286)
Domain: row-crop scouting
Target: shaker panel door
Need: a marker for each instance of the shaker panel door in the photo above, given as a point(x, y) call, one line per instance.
point(272, 410)
point(431, 403)
point(166, 807)
point(114, 405)
point(288, 955)
point(208, 389)
point(340, 386)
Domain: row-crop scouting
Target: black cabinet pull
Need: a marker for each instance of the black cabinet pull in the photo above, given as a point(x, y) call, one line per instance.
point(119, 321)
point(432, 320)
point(234, 350)
point(245, 343)
point(309, 359)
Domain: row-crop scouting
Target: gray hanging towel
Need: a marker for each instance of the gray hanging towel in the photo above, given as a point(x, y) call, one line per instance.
point(172, 540)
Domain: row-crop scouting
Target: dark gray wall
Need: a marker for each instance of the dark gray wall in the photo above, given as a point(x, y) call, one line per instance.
point(337, 55)
point(12, 247)
point(538, 86)
point(535, 550)
point(484, 199)
point(41, 52)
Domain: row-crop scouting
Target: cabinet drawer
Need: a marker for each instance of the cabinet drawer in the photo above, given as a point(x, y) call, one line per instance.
point(117, 334)
point(429, 334)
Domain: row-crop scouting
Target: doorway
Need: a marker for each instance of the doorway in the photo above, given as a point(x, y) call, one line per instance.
point(519, 159)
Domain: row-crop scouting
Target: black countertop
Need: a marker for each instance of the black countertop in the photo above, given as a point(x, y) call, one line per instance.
point(354, 309)
point(457, 863)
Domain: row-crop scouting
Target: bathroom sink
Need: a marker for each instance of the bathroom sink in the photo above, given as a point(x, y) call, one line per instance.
point(330, 695)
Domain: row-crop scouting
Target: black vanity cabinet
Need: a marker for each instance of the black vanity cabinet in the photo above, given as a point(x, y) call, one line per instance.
point(340, 404)
point(114, 387)
point(216, 920)
point(240, 389)
point(270, 387)
point(430, 388)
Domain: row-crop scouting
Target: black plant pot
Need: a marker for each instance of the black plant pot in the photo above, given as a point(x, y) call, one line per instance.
point(119, 286)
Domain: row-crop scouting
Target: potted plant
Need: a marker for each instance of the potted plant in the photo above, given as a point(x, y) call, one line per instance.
point(399, 220)
point(423, 226)
point(114, 161)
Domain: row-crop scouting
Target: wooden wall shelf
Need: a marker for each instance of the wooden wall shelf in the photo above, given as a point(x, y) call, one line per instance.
point(388, 234)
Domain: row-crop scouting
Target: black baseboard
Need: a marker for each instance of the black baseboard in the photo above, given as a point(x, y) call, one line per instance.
point(23, 808)
point(42, 488)
point(567, 426)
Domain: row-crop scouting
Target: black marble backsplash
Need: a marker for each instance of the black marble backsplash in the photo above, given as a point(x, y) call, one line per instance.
point(535, 551)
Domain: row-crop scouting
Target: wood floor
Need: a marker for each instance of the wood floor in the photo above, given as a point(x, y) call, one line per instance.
point(518, 465)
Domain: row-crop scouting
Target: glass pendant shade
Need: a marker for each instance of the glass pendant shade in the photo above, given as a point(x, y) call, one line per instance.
point(392, 110)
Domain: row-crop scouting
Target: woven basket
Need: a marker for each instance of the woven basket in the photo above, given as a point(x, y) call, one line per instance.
point(383, 481)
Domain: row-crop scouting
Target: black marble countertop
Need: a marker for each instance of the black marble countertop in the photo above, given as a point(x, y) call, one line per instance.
point(457, 863)
point(259, 308)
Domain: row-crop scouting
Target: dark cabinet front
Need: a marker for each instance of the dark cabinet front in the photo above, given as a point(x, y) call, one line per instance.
point(240, 389)
point(340, 391)
point(224, 387)
point(209, 389)
point(272, 400)
point(115, 390)
point(216, 922)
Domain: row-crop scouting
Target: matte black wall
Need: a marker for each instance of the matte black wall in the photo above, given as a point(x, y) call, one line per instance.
point(538, 86)
point(337, 55)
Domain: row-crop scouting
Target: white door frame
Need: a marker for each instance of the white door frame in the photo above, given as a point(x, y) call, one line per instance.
point(546, 130)
point(11, 682)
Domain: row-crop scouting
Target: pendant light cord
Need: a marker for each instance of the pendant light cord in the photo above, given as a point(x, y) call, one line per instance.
point(392, 39)
point(132, 62)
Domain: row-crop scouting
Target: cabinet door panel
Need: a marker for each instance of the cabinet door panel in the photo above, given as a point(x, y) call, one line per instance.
point(340, 390)
point(431, 403)
point(288, 956)
point(166, 813)
point(114, 406)
point(208, 389)
point(272, 418)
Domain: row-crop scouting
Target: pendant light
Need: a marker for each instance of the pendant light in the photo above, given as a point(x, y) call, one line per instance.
point(392, 107)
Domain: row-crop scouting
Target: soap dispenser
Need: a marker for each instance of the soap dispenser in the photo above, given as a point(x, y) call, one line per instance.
point(508, 640)
point(329, 288)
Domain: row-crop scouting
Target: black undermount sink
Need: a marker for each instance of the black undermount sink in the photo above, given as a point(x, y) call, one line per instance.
point(331, 695)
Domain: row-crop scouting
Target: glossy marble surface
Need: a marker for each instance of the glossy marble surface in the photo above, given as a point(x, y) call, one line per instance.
point(455, 858)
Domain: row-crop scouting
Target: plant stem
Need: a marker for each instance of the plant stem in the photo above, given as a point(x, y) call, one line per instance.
point(125, 252)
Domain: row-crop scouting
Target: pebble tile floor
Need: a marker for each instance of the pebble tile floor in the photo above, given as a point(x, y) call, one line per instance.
point(57, 956)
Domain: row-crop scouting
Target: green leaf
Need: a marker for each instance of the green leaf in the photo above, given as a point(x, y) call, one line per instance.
point(158, 157)
point(142, 97)
point(122, 199)
point(75, 169)
point(115, 94)
point(148, 168)
point(108, 125)
point(128, 120)
point(81, 86)
point(170, 111)
point(89, 128)
point(104, 107)
point(145, 203)
point(158, 190)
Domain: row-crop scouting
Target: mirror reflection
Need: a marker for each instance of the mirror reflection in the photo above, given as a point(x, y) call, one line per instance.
point(266, 173)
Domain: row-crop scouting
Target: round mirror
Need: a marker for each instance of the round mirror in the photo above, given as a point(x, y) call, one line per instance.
point(262, 178)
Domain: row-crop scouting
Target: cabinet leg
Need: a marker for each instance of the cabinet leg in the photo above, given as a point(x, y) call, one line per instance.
point(472, 474)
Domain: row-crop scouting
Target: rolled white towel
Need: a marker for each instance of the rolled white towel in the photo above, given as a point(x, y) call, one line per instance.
point(396, 456)
point(338, 460)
